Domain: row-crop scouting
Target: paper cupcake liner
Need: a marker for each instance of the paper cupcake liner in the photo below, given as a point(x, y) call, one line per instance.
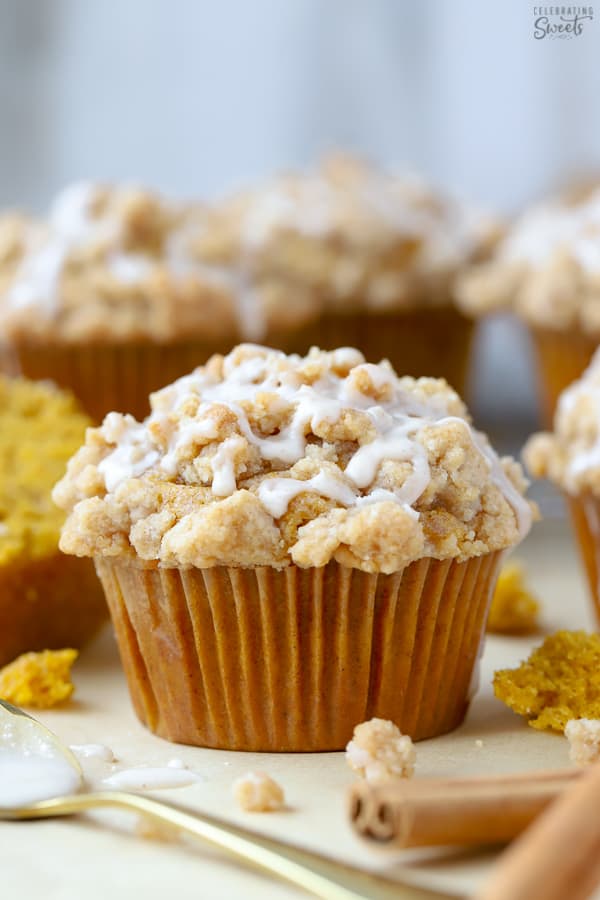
point(106, 377)
point(435, 341)
point(48, 604)
point(585, 515)
point(293, 659)
point(562, 356)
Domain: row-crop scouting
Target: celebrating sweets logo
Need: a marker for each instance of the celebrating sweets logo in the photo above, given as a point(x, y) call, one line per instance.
point(562, 22)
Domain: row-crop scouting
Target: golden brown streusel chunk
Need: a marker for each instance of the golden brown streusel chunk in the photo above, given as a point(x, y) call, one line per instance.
point(584, 740)
point(258, 458)
point(560, 681)
point(379, 751)
point(39, 680)
point(514, 609)
point(257, 792)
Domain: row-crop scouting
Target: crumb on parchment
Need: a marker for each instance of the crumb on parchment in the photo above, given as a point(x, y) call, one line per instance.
point(379, 751)
point(584, 740)
point(257, 792)
point(39, 680)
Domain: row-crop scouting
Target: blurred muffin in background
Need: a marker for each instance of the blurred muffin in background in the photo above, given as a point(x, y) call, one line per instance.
point(106, 298)
point(47, 600)
point(378, 251)
point(547, 269)
point(570, 457)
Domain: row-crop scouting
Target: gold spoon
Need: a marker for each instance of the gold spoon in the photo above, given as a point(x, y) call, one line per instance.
point(316, 874)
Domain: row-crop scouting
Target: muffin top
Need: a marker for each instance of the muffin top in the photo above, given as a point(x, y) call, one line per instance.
point(117, 263)
point(547, 268)
point(40, 427)
point(570, 456)
point(258, 458)
point(356, 235)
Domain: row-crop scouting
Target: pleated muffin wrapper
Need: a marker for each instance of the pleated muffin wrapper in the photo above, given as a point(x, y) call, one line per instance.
point(562, 357)
point(108, 376)
point(585, 515)
point(292, 659)
point(434, 341)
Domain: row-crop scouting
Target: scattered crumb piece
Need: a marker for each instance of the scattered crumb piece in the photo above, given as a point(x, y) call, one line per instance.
point(560, 681)
point(156, 831)
point(584, 737)
point(257, 792)
point(514, 609)
point(479, 744)
point(39, 680)
point(379, 751)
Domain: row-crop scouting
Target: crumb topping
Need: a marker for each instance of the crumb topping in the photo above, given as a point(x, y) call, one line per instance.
point(257, 792)
point(40, 427)
point(118, 263)
point(379, 751)
point(584, 739)
point(38, 680)
point(547, 268)
point(560, 681)
point(259, 458)
point(570, 455)
point(514, 609)
point(357, 235)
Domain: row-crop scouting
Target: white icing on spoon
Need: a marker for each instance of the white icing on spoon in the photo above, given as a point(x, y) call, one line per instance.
point(34, 765)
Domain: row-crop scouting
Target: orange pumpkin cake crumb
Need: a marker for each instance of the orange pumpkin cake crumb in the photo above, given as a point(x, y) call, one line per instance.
point(39, 680)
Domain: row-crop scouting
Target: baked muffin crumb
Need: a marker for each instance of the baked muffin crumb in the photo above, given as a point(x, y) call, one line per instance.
point(584, 739)
point(559, 681)
point(257, 792)
point(514, 609)
point(379, 751)
point(39, 680)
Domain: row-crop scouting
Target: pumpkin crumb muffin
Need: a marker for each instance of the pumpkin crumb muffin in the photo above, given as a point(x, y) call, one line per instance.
point(547, 269)
point(40, 680)
point(570, 457)
point(47, 599)
point(379, 251)
point(379, 751)
point(107, 297)
point(314, 532)
point(559, 681)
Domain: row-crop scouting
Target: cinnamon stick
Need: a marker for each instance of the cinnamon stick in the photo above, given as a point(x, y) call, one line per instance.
point(559, 856)
point(427, 812)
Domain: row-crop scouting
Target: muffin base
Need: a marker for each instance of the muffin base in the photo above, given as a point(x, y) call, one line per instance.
point(106, 377)
point(434, 342)
point(561, 358)
point(48, 604)
point(585, 516)
point(293, 659)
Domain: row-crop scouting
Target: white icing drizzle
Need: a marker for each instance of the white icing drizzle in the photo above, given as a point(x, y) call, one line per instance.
point(147, 778)
point(587, 389)
point(33, 765)
point(397, 420)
